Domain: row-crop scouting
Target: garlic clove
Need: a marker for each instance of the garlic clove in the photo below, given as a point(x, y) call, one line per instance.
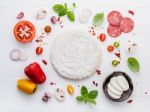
point(59, 94)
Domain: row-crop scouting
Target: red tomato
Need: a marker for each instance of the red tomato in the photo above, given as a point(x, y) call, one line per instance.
point(110, 48)
point(24, 31)
point(102, 37)
point(39, 50)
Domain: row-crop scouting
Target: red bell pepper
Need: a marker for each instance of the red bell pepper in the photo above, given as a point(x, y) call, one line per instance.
point(35, 73)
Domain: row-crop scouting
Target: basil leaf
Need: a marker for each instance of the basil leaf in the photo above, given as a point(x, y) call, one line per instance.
point(71, 16)
point(98, 19)
point(58, 7)
point(74, 5)
point(84, 91)
point(65, 5)
point(91, 101)
point(62, 13)
point(80, 98)
point(133, 64)
point(62, 10)
point(93, 94)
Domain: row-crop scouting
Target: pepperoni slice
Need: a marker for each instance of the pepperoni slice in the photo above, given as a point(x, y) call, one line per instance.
point(126, 25)
point(114, 18)
point(114, 31)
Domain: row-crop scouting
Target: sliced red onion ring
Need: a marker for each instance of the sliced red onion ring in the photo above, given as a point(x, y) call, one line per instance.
point(23, 56)
point(85, 15)
point(15, 55)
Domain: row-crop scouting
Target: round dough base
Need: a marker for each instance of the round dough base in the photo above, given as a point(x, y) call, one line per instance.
point(75, 55)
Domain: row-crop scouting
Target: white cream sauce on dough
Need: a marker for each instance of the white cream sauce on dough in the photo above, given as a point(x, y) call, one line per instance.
point(75, 55)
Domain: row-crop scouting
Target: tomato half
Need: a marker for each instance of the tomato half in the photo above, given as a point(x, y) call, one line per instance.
point(24, 31)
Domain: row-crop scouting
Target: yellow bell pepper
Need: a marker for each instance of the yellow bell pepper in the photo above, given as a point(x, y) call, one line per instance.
point(26, 86)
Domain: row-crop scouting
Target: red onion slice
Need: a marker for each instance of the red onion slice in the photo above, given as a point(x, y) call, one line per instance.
point(15, 55)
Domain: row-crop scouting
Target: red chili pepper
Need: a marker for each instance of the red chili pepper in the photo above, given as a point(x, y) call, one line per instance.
point(44, 62)
point(129, 101)
point(117, 54)
point(131, 12)
point(35, 73)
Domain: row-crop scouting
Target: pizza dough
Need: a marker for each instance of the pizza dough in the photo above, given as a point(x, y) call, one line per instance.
point(75, 55)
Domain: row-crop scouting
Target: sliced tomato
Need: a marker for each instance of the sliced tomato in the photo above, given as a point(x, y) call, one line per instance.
point(24, 31)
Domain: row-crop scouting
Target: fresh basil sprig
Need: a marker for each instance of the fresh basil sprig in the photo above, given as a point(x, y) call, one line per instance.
point(98, 19)
point(87, 96)
point(63, 10)
point(133, 64)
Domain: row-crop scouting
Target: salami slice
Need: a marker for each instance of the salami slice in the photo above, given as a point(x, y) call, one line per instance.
point(114, 31)
point(114, 18)
point(126, 25)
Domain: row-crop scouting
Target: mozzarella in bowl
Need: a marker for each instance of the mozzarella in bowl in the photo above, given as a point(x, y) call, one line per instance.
point(117, 86)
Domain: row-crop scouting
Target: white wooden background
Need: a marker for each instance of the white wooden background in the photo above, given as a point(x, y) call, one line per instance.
point(12, 100)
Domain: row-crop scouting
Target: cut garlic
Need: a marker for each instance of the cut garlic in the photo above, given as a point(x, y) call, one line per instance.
point(132, 47)
point(59, 94)
point(40, 14)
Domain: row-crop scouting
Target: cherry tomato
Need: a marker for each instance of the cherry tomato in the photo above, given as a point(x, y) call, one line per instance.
point(47, 29)
point(39, 50)
point(24, 31)
point(102, 37)
point(110, 48)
